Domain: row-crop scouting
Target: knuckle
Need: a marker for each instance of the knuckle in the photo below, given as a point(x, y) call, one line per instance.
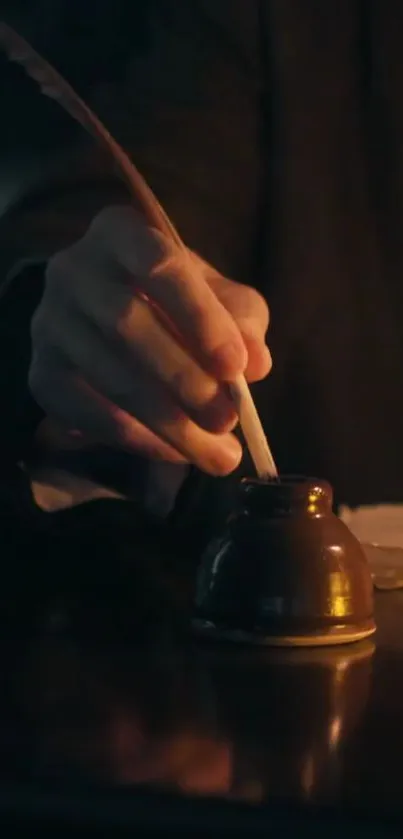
point(123, 234)
point(183, 386)
point(113, 225)
point(193, 388)
point(245, 303)
point(258, 305)
point(254, 315)
point(166, 253)
point(163, 265)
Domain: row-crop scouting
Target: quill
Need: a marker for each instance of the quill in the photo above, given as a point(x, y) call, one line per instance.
point(53, 85)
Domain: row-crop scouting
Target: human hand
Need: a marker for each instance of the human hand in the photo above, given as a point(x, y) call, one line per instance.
point(106, 365)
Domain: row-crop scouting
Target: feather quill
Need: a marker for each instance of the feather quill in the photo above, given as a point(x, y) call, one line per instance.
point(53, 85)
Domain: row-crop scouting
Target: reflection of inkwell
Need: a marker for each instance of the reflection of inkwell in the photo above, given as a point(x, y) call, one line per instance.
point(289, 715)
point(111, 690)
point(114, 692)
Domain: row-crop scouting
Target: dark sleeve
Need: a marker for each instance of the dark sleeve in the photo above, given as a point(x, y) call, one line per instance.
point(19, 416)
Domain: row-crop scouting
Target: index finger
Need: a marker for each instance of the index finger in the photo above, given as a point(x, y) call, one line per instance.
point(174, 280)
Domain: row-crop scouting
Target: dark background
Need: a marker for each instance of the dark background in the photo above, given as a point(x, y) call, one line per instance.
point(32, 128)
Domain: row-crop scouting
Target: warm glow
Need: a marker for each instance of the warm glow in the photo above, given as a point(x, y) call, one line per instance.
point(335, 732)
point(339, 604)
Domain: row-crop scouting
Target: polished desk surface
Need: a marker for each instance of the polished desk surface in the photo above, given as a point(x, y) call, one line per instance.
point(105, 687)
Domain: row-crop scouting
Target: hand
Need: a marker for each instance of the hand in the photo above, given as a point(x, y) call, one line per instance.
point(106, 365)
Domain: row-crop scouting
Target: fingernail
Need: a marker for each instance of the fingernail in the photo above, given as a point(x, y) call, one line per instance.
point(230, 359)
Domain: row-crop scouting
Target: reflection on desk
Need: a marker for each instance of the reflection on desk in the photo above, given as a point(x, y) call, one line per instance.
point(104, 685)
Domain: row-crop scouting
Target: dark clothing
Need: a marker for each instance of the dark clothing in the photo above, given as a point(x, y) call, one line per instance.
point(272, 133)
